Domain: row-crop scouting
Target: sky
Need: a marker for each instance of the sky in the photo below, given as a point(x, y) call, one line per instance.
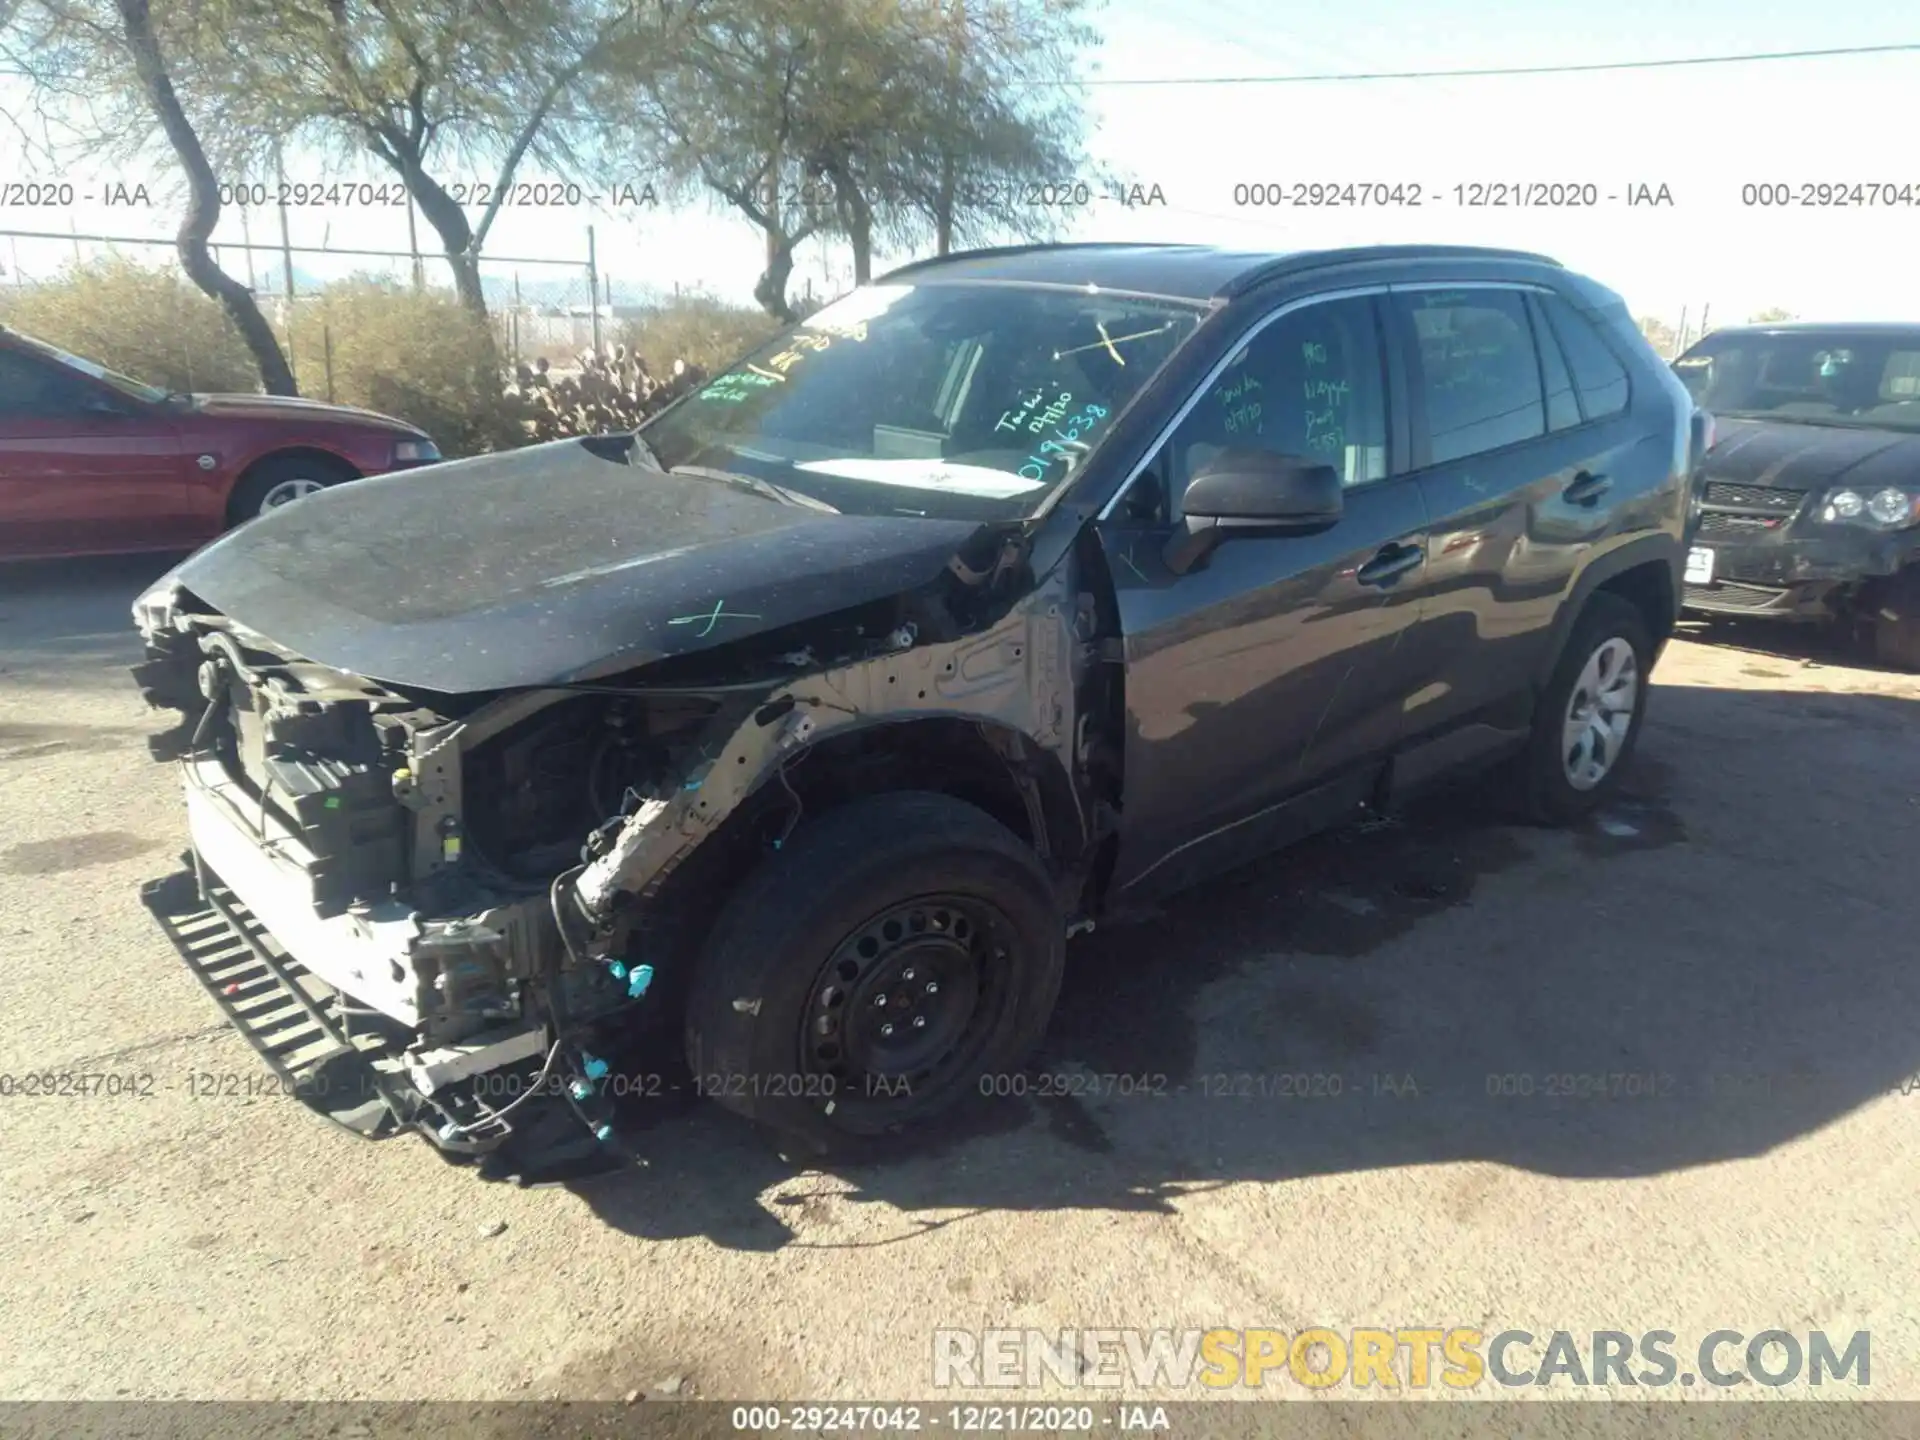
point(1703, 133)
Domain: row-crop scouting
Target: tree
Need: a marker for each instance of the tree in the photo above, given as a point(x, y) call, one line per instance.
point(942, 130)
point(1659, 334)
point(106, 63)
point(434, 90)
point(737, 114)
point(881, 121)
point(1774, 316)
point(1001, 113)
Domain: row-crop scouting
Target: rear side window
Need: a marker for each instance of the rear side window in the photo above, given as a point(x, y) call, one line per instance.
point(1900, 380)
point(1563, 410)
point(1597, 375)
point(1479, 374)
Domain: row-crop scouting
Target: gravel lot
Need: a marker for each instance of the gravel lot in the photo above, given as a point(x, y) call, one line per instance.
point(1746, 912)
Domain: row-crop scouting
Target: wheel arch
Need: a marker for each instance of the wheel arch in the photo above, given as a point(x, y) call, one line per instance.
point(987, 763)
point(1645, 572)
point(332, 459)
point(983, 762)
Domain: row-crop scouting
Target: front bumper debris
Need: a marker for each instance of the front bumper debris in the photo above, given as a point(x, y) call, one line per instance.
point(295, 1022)
point(332, 1055)
point(329, 1003)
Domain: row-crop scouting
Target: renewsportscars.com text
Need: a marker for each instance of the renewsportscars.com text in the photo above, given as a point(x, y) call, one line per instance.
point(1394, 1359)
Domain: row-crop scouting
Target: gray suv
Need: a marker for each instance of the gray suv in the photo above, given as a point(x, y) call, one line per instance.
point(780, 746)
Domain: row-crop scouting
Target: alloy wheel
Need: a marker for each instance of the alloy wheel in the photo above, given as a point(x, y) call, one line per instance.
point(288, 491)
point(1600, 713)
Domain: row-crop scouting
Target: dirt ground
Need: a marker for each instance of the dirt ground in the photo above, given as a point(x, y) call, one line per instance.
point(1740, 926)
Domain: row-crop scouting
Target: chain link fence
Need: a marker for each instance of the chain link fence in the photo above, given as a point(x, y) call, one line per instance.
point(538, 306)
point(384, 329)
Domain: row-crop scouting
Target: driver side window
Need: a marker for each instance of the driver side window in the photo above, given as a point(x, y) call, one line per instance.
point(31, 390)
point(1310, 384)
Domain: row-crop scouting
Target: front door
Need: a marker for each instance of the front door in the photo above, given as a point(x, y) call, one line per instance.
point(1263, 687)
point(84, 470)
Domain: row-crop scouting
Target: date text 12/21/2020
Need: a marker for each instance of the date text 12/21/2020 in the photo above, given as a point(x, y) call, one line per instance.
point(146, 1085)
point(1470, 195)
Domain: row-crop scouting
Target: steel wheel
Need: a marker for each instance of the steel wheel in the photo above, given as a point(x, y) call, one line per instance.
point(905, 1000)
point(285, 492)
point(801, 1009)
point(1600, 714)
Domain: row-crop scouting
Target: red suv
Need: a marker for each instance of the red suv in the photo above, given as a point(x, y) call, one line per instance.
point(93, 463)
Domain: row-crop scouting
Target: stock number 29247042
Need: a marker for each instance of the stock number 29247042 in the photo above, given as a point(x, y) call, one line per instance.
point(822, 1419)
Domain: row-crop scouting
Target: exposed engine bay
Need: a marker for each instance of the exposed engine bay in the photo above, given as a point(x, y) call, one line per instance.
point(486, 883)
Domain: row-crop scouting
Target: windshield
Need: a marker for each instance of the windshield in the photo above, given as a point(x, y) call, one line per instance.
point(955, 401)
point(124, 384)
point(1808, 378)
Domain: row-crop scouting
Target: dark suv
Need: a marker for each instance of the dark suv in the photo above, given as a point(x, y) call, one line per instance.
point(790, 738)
point(1812, 501)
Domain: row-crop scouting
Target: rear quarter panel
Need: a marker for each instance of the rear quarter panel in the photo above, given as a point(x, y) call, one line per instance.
point(1655, 511)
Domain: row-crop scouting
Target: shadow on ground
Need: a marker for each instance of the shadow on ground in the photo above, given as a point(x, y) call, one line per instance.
point(1805, 645)
point(63, 617)
point(1719, 964)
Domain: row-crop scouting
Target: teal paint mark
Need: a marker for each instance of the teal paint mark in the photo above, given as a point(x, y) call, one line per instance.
point(713, 617)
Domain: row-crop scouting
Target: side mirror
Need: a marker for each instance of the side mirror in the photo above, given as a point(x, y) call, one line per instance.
point(1254, 492)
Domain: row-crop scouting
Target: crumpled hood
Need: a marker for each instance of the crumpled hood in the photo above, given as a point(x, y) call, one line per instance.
point(1808, 457)
point(546, 565)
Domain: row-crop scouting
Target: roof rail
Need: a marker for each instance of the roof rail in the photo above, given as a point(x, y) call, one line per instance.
point(991, 251)
point(1890, 326)
point(1320, 259)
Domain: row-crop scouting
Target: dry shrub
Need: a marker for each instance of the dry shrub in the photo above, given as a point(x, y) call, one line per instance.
point(145, 321)
point(699, 329)
point(366, 341)
point(416, 354)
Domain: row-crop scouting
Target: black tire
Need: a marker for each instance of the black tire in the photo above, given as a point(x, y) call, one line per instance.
point(1896, 621)
point(274, 473)
point(847, 906)
point(1546, 793)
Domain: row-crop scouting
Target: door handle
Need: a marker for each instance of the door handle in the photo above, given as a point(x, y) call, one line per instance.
point(1586, 488)
point(1389, 564)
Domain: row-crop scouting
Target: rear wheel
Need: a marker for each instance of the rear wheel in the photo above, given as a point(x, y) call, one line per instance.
point(279, 481)
point(1588, 719)
point(1896, 621)
point(868, 977)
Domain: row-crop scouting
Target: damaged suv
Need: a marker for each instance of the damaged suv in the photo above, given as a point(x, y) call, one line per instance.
point(782, 744)
point(1811, 506)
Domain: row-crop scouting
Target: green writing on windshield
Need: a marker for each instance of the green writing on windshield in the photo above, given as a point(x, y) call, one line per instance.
point(1065, 445)
point(1032, 413)
point(738, 385)
point(845, 330)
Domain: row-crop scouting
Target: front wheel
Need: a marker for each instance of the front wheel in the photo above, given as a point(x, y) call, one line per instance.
point(1588, 718)
point(1896, 622)
point(876, 972)
point(281, 480)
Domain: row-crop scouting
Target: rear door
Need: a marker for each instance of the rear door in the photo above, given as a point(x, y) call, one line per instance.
point(1263, 687)
point(83, 469)
point(1522, 474)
